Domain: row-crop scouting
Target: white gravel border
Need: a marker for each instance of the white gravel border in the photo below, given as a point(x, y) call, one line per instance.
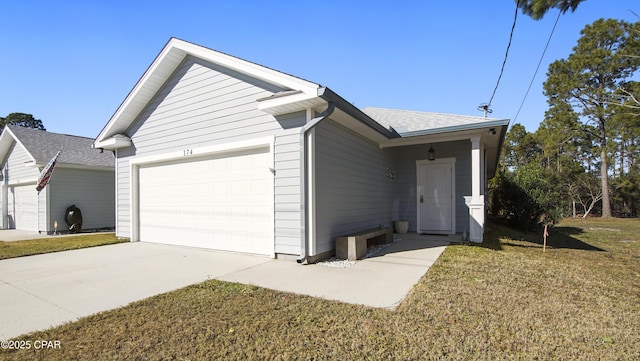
point(345, 263)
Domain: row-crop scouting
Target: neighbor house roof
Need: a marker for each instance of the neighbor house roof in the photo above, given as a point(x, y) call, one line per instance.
point(412, 123)
point(42, 146)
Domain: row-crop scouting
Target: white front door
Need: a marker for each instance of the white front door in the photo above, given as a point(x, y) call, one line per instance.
point(435, 196)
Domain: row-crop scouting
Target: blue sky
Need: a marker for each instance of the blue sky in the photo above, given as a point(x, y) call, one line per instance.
point(71, 63)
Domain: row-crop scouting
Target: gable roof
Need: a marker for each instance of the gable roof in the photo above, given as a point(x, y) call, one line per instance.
point(170, 57)
point(413, 123)
point(42, 146)
point(296, 94)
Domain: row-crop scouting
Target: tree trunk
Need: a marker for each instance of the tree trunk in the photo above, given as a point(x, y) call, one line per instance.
point(606, 203)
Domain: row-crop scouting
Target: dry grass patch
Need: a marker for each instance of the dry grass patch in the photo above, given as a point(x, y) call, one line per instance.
point(504, 300)
point(55, 244)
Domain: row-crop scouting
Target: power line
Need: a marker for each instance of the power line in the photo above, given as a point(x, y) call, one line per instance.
point(538, 67)
point(485, 107)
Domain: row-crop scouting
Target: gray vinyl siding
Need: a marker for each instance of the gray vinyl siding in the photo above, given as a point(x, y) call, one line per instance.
point(353, 190)
point(90, 190)
point(203, 104)
point(287, 192)
point(17, 169)
point(404, 200)
point(123, 193)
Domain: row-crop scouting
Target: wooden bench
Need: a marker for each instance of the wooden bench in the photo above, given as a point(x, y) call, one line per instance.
point(354, 246)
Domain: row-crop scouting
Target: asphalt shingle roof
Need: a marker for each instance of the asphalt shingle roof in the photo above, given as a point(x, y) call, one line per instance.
point(409, 122)
point(43, 145)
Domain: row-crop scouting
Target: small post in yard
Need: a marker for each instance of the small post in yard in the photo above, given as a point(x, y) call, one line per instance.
point(544, 236)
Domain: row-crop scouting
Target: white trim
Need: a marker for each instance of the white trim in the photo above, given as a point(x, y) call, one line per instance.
point(207, 150)
point(434, 138)
point(452, 163)
point(476, 153)
point(115, 142)
point(21, 182)
point(311, 193)
point(116, 190)
point(189, 153)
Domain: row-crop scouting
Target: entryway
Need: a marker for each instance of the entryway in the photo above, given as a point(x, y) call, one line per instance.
point(435, 192)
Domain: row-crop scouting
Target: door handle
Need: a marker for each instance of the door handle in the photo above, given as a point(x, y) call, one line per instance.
point(421, 199)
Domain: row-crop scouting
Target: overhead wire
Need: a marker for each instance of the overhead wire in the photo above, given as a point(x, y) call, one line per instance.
point(506, 55)
point(538, 67)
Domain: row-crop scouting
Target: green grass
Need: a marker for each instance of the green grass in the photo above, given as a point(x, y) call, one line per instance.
point(55, 244)
point(503, 300)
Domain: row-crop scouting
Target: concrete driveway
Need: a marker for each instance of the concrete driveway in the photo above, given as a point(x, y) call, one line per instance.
point(38, 292)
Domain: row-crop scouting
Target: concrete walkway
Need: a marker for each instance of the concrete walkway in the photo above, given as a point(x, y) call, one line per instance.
point(38, 292)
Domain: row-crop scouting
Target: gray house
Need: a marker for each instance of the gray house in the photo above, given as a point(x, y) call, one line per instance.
point(83, 176)
point(218, 152)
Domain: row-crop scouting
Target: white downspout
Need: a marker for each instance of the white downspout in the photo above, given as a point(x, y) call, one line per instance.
point(303, 176)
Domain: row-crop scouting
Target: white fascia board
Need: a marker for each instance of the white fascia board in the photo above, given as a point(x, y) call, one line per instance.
point(433, 138)
point(246, 67)
point(150, 82)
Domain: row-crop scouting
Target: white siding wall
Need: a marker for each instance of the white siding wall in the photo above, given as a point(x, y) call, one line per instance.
point(353, 191)
point(19, 172)
point(404, 200)
point(90, 190)
point(203, 104)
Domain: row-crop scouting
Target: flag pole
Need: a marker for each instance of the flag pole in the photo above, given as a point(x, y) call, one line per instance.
point(43, 181)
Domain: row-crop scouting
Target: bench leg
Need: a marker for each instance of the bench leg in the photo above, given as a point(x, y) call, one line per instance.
point(351, 248)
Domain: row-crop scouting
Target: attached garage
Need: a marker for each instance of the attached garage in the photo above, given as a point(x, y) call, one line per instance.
point(220, 200)
point(22, 206)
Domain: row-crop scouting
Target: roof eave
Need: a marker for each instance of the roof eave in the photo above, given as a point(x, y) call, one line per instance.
point(290, 102)
point(116, 142)
point(457, 128)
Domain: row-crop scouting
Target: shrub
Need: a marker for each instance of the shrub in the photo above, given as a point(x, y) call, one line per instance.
point(525, 197)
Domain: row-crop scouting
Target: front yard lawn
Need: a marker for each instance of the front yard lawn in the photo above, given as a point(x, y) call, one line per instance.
point(55, 244)
point(503, 300)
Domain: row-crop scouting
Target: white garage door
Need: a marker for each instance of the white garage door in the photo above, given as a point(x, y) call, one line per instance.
point(220, 202)
point(22, 207)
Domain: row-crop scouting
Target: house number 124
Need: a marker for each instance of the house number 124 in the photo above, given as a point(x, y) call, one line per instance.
point(187, 152)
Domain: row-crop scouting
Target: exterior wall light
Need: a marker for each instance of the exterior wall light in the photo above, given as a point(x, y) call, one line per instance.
point(431, 154)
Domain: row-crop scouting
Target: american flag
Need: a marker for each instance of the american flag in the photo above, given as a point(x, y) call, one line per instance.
point(45, 175)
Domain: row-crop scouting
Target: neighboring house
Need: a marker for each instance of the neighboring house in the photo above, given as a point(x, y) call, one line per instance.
point(215, 151)
point(83, 177)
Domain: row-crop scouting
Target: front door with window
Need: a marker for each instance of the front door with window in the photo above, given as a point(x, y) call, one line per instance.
point(435, 196)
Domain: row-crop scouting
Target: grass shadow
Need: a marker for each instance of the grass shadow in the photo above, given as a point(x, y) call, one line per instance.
point(499, 235)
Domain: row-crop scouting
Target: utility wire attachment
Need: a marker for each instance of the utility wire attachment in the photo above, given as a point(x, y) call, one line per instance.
point(484, 107)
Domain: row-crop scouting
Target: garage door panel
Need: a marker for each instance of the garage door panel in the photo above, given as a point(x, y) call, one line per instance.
point(219, 202)
point(22, 207)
